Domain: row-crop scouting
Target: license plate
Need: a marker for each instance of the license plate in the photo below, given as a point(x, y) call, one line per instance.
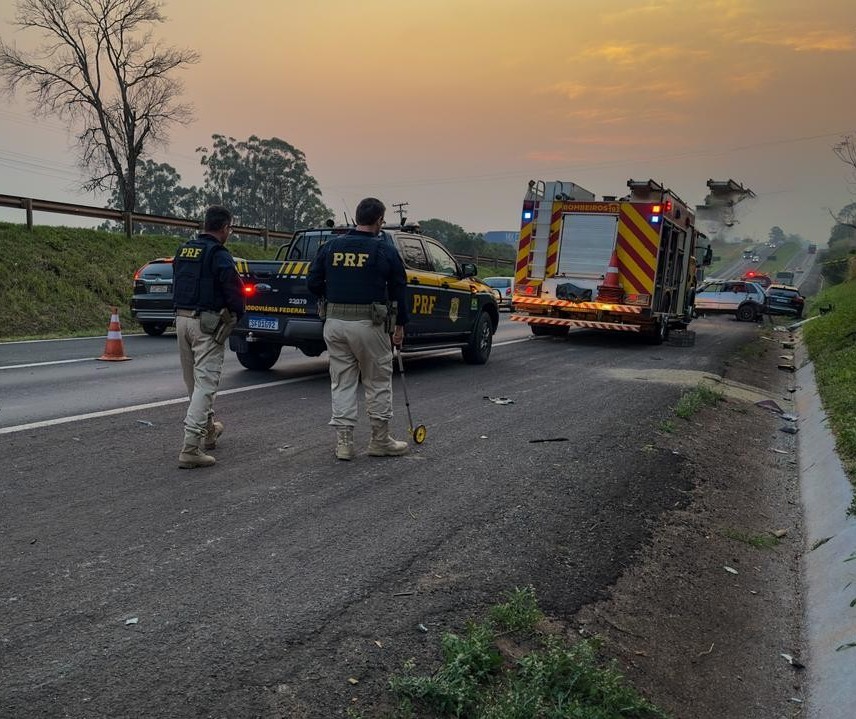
point(158, 288)
point(263, 323)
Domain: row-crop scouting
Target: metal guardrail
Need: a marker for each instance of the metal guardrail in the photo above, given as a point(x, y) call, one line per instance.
point(31, 205)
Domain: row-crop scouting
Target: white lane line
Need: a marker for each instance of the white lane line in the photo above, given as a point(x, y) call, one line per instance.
point(44, 364)
point(149, 405)
point(167, 402)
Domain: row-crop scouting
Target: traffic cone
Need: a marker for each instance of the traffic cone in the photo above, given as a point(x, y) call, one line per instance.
point(114, 349)
point(610, 290)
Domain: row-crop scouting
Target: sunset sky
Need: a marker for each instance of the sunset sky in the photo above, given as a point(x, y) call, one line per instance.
point(453, 105)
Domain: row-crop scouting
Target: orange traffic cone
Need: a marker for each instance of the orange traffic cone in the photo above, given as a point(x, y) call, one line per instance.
point(610, 290)
point(114, 349)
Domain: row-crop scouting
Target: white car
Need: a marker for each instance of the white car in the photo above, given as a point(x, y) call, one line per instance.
point(744, 299)
point(505, 287)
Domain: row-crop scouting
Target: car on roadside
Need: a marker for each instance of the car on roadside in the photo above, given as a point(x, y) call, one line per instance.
point(151, 302)
point(784, 300)
point(759, 278)
point(745, 300)
point(505, 287)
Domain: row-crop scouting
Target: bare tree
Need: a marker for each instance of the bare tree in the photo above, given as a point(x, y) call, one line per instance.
point(100, 69)
point(845, 150)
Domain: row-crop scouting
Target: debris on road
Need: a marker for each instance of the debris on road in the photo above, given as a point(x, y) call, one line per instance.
point(132, 620)
point(499, 400)
point(789, 430)
point(795, 663)
point(770, 405)
point(145, 423)
point(549, 439)
point(732, 570)
point(422, 628)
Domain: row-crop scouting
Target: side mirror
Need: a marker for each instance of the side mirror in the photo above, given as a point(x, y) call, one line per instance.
point(468, 269)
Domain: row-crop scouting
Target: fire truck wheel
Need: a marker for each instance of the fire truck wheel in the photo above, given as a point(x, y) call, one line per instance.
point(550, 330)
point(659, 333)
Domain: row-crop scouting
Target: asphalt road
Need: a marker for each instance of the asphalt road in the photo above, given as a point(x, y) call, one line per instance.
point(131, 588)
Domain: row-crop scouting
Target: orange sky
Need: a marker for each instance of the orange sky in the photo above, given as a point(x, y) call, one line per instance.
point(453, 105)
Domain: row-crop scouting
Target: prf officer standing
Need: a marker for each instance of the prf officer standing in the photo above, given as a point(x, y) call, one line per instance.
point(362, 279)
point(209, 300)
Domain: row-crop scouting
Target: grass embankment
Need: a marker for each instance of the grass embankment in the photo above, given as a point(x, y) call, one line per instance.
point(61, 281)
point(784, 253)
point(831, 342)
point(725, 254)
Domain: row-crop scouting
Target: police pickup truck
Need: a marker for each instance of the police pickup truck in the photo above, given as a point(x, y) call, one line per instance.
point(448, 306)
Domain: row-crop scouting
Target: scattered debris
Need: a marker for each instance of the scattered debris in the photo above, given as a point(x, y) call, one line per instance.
point(34, 540)
point(283, 448)
point(732, 570)
point(379, 645)
point(790, 417)
point(795, 663)
point(788, 345)
point(145, 423)
point(549, 439)
point(779, 451)
point(779, 533)
point(796, 700)
point(484, 436)
point(410, 512)
point(499, 400)
point(352, 680)
point(701, 654)
point(184, 511)
point(770, 405)
point(408, 593)
point(132, 620)
point(422, 628)
point(819, 543)
point(789, 429)
point(787, 367)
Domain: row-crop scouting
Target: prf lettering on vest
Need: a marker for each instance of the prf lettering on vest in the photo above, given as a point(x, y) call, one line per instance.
point(424, 304)
point(190, 253)
point(350, 259)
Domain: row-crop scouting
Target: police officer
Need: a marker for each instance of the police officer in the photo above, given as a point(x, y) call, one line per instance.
point(362, 279)
point(209, 300)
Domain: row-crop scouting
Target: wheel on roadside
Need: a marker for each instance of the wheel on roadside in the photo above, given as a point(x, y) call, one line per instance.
point(747, 312)
point(154, 329)
point(259, 356)
point(478, 349)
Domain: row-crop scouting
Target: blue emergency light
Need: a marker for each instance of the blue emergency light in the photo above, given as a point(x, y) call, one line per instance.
point(527, 214)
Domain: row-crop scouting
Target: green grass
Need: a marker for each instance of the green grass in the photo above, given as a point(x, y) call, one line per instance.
point(726, 254)
point(759, 541)
point(784, 254)
point(693, 400)
point(831, 342)
point(61, 281)
point(545, 677)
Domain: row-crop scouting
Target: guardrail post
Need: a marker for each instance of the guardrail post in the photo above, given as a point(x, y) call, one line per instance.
point(266, 237)
point(129, 224)
point(28, 206)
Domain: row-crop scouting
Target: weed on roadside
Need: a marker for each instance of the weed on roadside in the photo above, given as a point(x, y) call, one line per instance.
point(759, 541)
point(667, 426)
point(544, 677)
point(693, 400)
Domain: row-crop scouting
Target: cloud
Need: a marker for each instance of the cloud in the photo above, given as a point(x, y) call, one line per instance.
point(645, 54)
point(804, 41)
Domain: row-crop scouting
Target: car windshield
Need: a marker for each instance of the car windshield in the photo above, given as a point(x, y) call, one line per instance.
point(498, 282)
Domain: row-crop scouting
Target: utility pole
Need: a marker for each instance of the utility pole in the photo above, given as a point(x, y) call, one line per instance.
point(399, 208)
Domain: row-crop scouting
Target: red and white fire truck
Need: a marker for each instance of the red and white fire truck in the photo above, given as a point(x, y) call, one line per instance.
point(614, 264)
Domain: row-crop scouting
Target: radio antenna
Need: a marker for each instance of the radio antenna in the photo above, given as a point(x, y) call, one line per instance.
point(345, 212)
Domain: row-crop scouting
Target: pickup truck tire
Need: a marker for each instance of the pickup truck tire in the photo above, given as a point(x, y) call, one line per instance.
point(481, 341)
point(259, 356)
point(154, 329)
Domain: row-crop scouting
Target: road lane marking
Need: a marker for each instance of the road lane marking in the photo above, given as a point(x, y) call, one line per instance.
point(44, 364)
point(149, 405)
point(168, 402)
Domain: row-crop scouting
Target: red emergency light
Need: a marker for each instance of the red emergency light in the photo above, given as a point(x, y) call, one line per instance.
point(249, 290)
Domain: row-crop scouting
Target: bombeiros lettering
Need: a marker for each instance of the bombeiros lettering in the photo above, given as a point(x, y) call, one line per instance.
point(350, 259)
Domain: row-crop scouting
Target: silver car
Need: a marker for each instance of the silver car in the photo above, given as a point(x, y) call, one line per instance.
point(505, 286)
point(743, 299)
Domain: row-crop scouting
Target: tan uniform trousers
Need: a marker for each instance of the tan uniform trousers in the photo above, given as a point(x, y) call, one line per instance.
point(201, 364)
point(359, 350)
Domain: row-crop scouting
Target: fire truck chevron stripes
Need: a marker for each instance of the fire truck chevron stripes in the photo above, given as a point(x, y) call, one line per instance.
point(553, 242)
point(636, 249)
point(522, 301)
point(521, 268)
point(576, 323)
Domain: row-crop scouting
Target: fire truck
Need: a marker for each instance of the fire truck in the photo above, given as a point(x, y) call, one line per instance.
point(620, 265)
